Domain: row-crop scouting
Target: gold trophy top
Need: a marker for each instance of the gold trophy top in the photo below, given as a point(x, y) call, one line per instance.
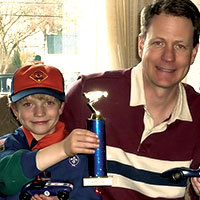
point(93, 97)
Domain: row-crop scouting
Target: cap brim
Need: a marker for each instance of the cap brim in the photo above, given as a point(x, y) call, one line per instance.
point(20, 95)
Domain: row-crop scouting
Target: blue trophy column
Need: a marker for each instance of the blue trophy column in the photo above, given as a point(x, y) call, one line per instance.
point(98, 160)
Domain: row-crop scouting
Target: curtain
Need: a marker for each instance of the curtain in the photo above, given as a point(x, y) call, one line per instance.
point(123, 29)
point(108, 37)
point(93, 37)
point(108, 32)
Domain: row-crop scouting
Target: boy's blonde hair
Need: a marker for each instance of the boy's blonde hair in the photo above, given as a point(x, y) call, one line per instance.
point(37, 96)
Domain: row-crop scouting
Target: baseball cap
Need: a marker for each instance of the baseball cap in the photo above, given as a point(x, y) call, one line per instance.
point(37, 79)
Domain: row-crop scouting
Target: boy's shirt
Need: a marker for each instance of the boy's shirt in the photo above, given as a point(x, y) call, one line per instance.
point(47, 140)
point(18, 166)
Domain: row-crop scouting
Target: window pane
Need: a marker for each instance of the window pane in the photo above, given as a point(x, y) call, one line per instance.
point(45, 28)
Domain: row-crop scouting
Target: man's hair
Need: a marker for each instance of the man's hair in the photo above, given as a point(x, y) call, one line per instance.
point(181, 8)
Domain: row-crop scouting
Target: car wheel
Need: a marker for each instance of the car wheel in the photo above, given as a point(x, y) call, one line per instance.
point(63, 195)
point(25, 196)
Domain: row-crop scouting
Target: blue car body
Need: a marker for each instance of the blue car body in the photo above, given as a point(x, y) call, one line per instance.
point(46, 187)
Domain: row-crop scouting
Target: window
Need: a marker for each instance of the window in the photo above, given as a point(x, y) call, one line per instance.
point(56, 30)
point(72, 35)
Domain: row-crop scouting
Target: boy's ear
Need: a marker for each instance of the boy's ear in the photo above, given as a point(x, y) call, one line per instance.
point(61, 108)
point(14, 110)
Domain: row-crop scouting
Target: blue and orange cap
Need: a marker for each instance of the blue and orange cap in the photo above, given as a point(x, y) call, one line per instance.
point(37, 79)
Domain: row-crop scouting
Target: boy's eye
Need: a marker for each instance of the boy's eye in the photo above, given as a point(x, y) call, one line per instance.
point(50, 103)
point(27, 104)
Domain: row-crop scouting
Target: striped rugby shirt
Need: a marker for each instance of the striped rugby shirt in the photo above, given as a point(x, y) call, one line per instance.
point(138, 152)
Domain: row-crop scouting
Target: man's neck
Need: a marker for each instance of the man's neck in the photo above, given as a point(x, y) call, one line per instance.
point(161, 102)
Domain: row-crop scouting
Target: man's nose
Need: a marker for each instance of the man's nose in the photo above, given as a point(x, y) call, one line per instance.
point(168, 54)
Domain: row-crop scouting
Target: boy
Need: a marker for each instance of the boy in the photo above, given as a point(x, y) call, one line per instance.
point(40, 146)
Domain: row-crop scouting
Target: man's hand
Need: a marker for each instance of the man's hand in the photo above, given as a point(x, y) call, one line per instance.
point(196, 185)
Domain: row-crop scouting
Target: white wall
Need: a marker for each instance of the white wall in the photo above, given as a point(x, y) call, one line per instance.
point(193, 77)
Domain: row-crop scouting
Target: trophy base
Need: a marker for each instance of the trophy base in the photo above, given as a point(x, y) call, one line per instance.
point(97, 181)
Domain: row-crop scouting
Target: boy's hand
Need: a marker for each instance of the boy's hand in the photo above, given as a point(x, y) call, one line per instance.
point(81, 141)
point(43, 197)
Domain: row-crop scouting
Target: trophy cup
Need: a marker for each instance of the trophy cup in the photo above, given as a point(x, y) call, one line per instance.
point(97, 162)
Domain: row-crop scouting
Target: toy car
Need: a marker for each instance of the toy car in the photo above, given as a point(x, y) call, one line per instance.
point(176, 175)
point(48, 188)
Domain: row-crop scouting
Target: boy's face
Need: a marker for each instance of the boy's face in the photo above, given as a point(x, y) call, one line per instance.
point(38, 115)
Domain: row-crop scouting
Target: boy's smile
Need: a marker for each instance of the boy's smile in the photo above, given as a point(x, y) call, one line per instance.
point(40, 116)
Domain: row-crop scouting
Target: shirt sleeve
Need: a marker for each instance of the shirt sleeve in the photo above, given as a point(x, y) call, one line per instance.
point(12, 177)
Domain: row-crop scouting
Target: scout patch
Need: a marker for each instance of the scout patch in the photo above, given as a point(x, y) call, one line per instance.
point(74, 160)
point(2, 146)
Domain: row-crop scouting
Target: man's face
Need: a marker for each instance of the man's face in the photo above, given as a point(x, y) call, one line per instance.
point(167, 51)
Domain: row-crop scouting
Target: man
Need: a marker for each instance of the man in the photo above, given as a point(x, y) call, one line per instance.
point(152, 119)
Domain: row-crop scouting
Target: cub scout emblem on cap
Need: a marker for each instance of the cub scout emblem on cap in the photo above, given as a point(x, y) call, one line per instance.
point(38, 76)
point(74, 160)
point(2, 146)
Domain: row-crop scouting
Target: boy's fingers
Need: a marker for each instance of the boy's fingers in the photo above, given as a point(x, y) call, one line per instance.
point(85, 132)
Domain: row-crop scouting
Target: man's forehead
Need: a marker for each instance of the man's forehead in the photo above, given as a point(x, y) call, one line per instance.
point(167, 26)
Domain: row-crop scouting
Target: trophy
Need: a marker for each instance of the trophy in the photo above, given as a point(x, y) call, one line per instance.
point(97, 162)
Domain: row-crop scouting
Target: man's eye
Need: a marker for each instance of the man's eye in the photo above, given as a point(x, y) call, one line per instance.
point(180, 47)
point(158, 44)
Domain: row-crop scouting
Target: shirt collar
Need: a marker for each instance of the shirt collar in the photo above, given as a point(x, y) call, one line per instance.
point(137, 96)
point(137, 87)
